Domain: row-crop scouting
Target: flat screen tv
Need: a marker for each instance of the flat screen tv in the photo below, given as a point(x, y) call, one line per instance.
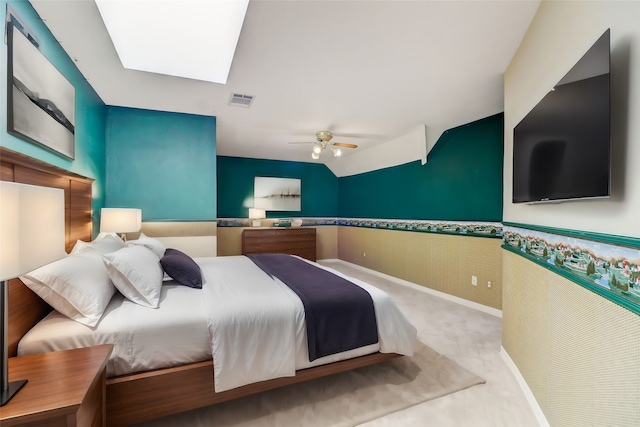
point(561, 149)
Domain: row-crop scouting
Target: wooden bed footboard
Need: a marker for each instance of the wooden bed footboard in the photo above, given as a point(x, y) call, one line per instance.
point(141, 397)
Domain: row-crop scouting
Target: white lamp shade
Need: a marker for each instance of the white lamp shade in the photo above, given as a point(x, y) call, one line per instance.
point(120, 220)
point(257, 213)
point(32, 231)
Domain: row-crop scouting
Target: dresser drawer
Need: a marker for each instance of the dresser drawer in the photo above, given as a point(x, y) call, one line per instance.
point(294, 241)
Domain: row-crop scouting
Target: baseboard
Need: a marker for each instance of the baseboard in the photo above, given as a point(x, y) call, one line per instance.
point(476, 306)
point(533, 403)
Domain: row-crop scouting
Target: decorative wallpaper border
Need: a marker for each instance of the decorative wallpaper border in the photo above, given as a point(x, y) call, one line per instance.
point(610, 270)
point(465, 228)
point(246, 222)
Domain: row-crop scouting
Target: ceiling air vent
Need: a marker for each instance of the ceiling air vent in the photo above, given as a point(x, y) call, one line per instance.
point(240, 100)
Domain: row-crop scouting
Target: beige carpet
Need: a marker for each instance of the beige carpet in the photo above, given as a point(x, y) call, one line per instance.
point(345, 399)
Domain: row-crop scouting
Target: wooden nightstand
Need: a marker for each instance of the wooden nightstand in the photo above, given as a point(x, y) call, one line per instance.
point(64, 388)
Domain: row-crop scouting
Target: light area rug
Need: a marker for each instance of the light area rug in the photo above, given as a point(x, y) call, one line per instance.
point(345, 399)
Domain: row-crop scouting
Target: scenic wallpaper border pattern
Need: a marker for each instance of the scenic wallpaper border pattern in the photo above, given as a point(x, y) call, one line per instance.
point(609, 270)
point(246, 222)
point(465, 228)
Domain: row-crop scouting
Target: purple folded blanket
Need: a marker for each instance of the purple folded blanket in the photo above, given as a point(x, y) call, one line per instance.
point(340, 315)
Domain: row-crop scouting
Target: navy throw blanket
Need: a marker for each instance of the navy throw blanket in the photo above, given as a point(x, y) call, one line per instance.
point(339, 314)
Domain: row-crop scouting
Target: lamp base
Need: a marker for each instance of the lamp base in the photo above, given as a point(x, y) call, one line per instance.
point(14, 387)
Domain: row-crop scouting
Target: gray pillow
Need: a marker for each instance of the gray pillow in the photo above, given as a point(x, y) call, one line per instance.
point(182, 268)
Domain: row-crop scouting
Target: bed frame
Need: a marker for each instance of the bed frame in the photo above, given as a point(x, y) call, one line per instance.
point(142, 396)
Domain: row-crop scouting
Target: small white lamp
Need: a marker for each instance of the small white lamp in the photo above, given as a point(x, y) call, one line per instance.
point(120, 220)
point(32, 234)
point(256, 215)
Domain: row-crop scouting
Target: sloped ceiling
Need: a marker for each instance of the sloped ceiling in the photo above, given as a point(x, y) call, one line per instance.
point(369, 71)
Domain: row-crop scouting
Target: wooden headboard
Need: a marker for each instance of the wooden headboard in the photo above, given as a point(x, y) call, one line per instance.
point(25, 307)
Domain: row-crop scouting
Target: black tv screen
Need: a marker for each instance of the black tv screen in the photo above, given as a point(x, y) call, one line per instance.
point(561, 148)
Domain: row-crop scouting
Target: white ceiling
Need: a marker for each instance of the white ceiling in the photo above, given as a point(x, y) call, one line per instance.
point(369, 71)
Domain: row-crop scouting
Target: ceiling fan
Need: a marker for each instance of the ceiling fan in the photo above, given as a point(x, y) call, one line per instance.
point(322, 141)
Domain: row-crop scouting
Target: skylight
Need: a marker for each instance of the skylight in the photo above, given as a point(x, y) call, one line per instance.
point(195, 39)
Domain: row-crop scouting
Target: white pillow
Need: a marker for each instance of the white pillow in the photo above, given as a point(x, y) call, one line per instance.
point(137, 273)
point(105, 245)
point(77, 286)
point(154, 245)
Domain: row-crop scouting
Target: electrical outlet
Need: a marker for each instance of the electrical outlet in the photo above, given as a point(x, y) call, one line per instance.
point(489, 284)
point(364, 254)
point(474, 280)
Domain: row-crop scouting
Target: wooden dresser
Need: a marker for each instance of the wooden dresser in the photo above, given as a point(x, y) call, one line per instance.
point(295, 241)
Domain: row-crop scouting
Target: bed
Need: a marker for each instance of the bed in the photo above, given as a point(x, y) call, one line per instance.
point(138, 393)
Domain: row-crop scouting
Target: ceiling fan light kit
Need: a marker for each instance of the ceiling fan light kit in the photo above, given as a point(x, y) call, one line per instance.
point(322, 141)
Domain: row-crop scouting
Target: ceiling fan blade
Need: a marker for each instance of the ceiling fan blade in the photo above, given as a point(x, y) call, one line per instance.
point(344, 145)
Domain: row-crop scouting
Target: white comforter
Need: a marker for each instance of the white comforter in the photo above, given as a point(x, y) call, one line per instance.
point(256, 324)
point(258, 328)
point(143, 338)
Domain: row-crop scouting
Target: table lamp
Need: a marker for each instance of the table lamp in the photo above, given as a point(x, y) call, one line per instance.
point(256, 215)
point(120, 220)
point(32, 234)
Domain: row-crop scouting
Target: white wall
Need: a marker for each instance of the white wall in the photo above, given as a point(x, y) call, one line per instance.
point(559, 35)
point(407, 148)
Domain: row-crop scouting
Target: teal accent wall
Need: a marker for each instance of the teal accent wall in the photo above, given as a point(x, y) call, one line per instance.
point(462, 180)
point(90, 110)
point(319, 186)
point(161, 162)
